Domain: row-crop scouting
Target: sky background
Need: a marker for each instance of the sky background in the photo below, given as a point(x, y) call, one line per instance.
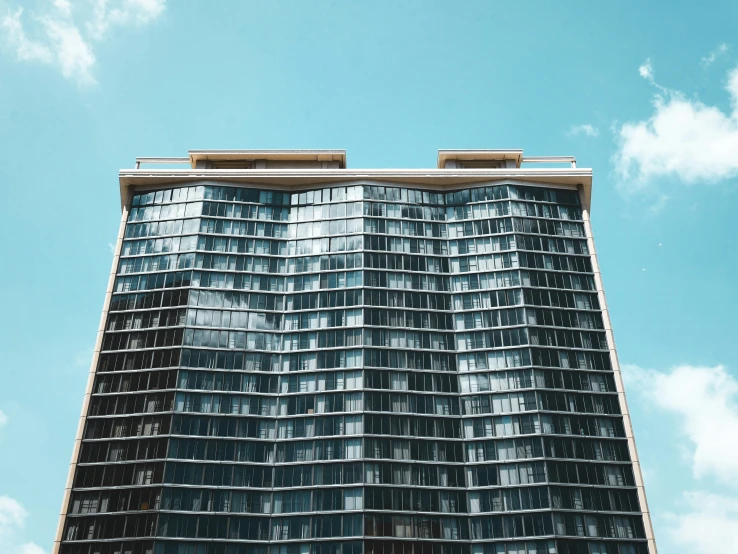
point(644, 96)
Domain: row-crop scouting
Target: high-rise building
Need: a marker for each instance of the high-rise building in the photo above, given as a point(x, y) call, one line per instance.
point(299, 358)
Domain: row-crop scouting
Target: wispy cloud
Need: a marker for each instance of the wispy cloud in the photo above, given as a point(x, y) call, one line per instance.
point(64, 6)
point(705, 403)
point(30, 548)
point(12, 518)
point(73, 53)
point(683, 138)
point(63, 34)
point(3, 419)
point(646, 70)
point(712, 56)
point(658, 205)
point(585, 129)
point(709, 523)
point(83, 357)
point(25, 48)
point(128, 12)
point(12, 515)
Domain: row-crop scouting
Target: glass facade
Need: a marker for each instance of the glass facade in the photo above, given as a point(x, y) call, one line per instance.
point(356, 369)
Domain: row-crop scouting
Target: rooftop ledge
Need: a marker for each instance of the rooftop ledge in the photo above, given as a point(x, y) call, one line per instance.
point(300, 169)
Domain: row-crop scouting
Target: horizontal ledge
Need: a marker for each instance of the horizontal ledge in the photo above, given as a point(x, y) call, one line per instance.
point(539, 159)
point(162, 160)
point(348, 173)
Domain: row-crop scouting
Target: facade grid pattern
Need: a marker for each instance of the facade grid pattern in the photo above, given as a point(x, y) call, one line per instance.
point(356, 369)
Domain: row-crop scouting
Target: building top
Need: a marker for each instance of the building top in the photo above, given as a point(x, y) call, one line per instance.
point(268, 159)
point(300, 169)
point(491, 159)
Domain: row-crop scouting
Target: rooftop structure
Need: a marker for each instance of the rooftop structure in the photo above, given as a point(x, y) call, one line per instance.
point(295, 169)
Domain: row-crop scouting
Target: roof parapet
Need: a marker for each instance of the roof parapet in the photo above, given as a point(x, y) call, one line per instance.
point(494, 159)
point(267, 159)
point(478, 159)
point(255, 159)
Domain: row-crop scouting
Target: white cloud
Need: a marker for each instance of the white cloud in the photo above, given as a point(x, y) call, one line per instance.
point(709, 525)
point(126, 12)
point(3, 419)
point(683, 138)
point(56, 37)
point(646, 70)
point(74, 54)
point(30, 548)
point(704, 398)
point(64, 6)
point(12, 517)
point(58, 43)
point(712, 56)
point(585, 129)
point(26, 49)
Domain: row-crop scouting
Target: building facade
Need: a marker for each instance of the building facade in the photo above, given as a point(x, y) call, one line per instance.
point(299, 358)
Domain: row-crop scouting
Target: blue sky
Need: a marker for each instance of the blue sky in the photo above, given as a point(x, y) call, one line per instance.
point(644, 96)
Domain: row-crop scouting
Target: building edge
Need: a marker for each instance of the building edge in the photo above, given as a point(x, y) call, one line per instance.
point(627, 424)
point(91, 378)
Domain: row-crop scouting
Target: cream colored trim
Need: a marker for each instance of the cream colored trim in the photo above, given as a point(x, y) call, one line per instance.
point(90, 383)
point(618, 380)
